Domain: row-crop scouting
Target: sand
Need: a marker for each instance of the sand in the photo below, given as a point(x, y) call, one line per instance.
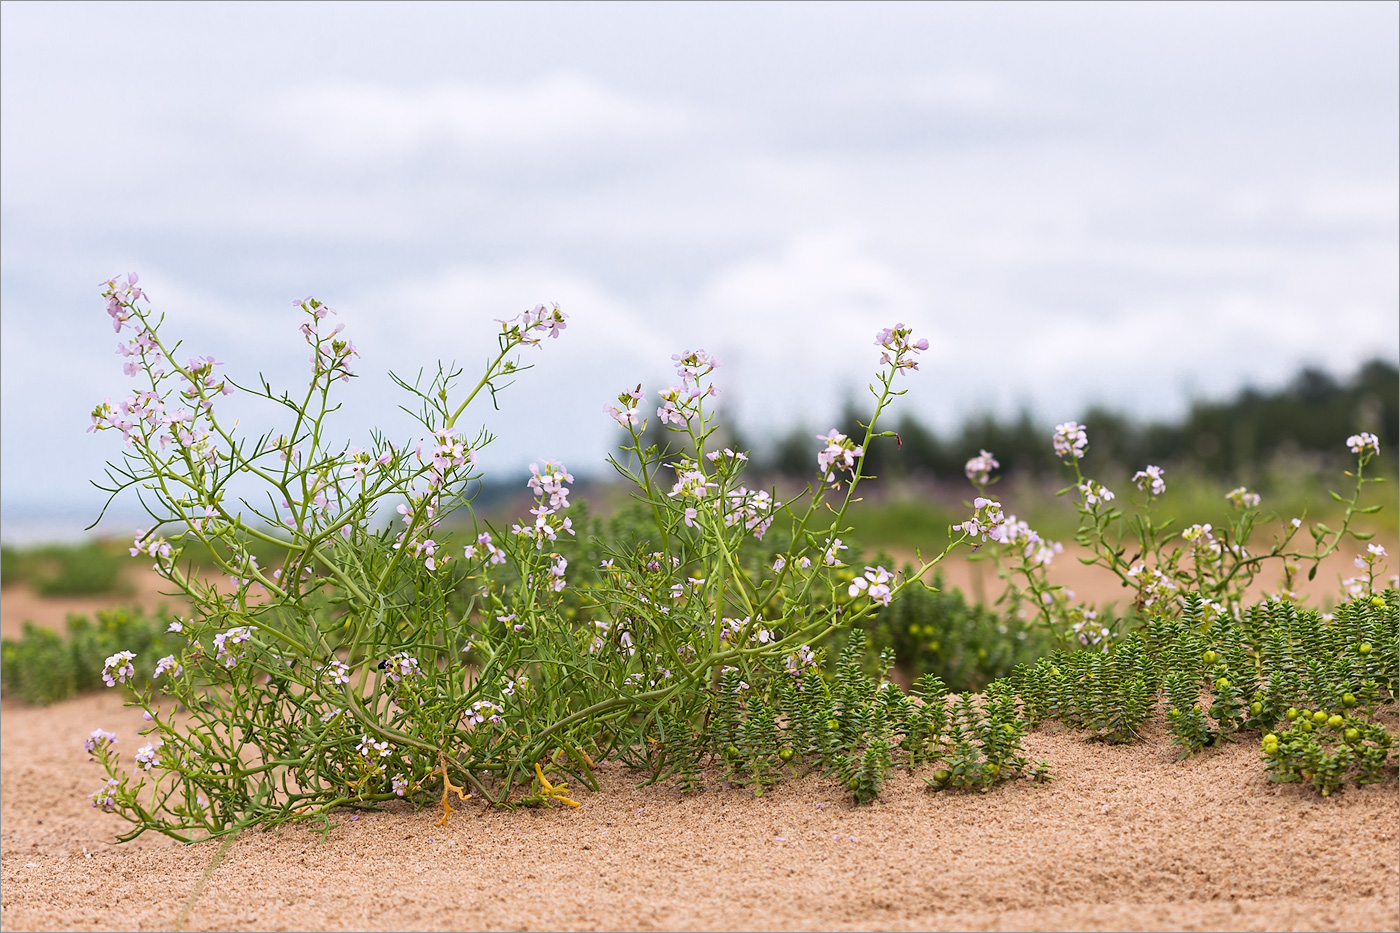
point(1124, 837)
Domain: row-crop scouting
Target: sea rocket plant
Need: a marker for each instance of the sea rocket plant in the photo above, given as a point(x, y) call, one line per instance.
point(1159, 566)
point(363, 660)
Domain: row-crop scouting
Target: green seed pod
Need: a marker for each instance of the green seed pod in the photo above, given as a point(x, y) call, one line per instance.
point(1209, 656)
point(1348, 700)
point(853, 783)
point(1364, 649)
point(732, 753)
point(1352, 734)
point(1008, 728)
point(785, 755)
point(1335, 721)
point(942, 776)
point(1271, 739)
point(1319, 716)
point(1305, 727)
point(1291, 715)
point(833, 724)
point(1222, 683)
point(1256, 708)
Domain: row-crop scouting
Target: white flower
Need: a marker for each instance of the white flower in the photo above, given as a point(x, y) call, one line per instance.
point(337, 672)
point(1151, 478)
point(1070, 439)
point(105, 797)
point(146, 756)
point(118, 668)
point(168, 664)
point(840, 453)
point(229, 645)
point(1094, 494)
point(1241, 498)
point(875, 583)
point(979, 468)
point(1364, 443)
point(97, 739)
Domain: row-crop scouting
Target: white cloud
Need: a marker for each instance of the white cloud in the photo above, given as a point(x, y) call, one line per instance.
point(798, 326)
point(368, 122)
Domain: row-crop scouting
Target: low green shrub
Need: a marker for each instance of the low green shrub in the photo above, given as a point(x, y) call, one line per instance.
point(936, 631)
point(86, 569)
point(44, 667)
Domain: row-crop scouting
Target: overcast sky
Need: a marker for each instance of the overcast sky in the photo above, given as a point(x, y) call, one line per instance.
point(1133, 204)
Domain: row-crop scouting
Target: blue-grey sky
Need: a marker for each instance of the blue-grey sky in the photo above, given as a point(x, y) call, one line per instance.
point(1134, 204)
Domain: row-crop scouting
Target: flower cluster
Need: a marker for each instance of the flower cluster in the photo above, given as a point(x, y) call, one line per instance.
point(202, 383)
point(899, 349)
point(800, 660)
point(979, 468)
point(371, 749)
point(146, 756)
point(118, 669)
point(629, 415)
point(330, 353)
point(691, 481)
point(168, 665)
point(551, 497)
point(988, 522)
point(400, 666)
point(121, 296)
point(1151, 479)
point(1087, 629)
point(1094, 493)
point(427, 550)
point(483, 711)
point(1070, 440)
point(1364, 444)
point(679, 402)
point(1038, 551)
point(875, 583)
point(105, 797)
point(229, 646)
point(1241, 498)
point(752, 508)
point(532, 326)
point(485, 549)
point(337, 672)
point(99, 739)
point(731, 631)
point(556, 573)
point(151, 545)
point(449, 453)
point(831, 556)
point(840, 453)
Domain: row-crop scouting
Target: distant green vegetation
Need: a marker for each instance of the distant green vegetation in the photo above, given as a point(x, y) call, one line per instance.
point(1236, 441)
point(938, 632)
point(44, 667)
point(65, 569)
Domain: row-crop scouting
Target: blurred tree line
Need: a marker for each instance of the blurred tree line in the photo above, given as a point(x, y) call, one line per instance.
point(1309, 418)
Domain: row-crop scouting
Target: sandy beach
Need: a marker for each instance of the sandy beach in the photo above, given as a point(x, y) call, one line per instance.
point(1123, 837)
